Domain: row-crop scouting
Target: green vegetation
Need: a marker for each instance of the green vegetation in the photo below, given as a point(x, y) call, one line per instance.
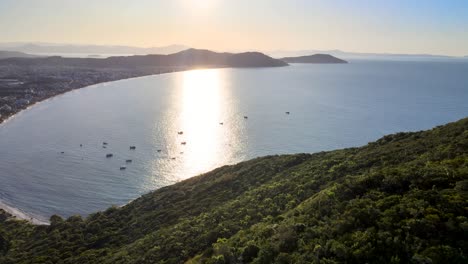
point(401, 199)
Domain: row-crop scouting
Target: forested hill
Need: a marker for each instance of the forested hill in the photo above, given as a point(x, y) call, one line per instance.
point(401, 199)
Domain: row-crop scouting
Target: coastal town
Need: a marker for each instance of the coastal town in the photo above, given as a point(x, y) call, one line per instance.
point(21, 87)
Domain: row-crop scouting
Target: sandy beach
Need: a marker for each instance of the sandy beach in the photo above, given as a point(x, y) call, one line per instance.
point(18, 214)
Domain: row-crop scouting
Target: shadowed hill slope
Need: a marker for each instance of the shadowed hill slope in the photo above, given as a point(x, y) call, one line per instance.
point(401, 199)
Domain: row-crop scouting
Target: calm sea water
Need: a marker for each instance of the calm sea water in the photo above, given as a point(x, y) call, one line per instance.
point(331, 106)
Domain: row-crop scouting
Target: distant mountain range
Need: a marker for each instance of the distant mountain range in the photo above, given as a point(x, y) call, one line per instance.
point(358, 55)
point(76, 50)
point(14, 54)
point(50, 48)
point(316, 58)
point(189, 58)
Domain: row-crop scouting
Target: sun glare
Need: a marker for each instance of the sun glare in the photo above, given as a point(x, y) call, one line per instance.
point(201, 117)
point(199, 4)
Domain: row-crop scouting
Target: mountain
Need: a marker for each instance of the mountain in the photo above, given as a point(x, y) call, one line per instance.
point(188, 58)
point(50, 48)
point(316, 58)
point(359, 55)
point(14, 54)
point(401, 199)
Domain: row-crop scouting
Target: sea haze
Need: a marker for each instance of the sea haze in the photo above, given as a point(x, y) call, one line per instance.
point(331, 106)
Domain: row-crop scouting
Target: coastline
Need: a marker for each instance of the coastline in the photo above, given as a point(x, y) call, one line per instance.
point(40, 220)
point(144, 74)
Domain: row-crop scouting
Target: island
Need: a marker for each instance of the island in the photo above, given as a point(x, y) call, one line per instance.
point(316, 58)
point(400, 199)
point(25, 81)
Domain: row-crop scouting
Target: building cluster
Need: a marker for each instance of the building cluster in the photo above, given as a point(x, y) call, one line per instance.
point(21, 87)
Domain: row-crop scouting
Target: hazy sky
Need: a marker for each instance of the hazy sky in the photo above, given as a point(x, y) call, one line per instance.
point(398, 26)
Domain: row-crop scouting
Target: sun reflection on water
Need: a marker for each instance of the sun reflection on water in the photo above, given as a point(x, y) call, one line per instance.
point(202, 112)
point(190, 140)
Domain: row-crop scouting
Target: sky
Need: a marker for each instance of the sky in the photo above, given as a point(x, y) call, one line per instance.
point(391, 26)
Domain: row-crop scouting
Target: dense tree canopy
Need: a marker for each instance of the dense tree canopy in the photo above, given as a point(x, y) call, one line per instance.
point(401, 199)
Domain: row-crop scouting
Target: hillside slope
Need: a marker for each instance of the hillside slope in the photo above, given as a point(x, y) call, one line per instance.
point(401, 199)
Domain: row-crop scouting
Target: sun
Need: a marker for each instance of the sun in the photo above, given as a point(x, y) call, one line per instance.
point(200, 4)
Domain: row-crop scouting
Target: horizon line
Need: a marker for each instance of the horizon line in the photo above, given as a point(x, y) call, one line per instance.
point(385, 53)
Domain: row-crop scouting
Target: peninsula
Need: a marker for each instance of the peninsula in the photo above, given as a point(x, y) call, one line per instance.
point(316, 58)
point(400, 199)
point(25, 81)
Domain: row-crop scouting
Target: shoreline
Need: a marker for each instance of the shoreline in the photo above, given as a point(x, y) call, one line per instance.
point(18, 214)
